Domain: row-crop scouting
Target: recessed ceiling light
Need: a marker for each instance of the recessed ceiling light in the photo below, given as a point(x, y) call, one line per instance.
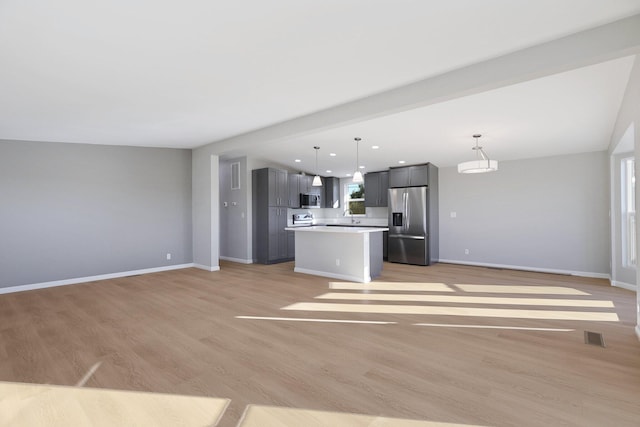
point(328, 171)
point(375, 147)
point(298, 160)
point(348, 174)
point(361, 167)
point(402, 162)
point(332, 154)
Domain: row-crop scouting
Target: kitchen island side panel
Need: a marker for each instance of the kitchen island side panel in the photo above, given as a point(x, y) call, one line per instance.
point(345, 255)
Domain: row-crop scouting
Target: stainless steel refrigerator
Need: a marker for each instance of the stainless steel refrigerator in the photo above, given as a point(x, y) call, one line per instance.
point(411, 238)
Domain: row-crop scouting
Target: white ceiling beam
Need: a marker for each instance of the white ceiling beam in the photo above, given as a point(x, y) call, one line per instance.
point(618, 39)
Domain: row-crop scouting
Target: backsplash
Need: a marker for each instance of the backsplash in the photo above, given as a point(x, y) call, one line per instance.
point(374, 216)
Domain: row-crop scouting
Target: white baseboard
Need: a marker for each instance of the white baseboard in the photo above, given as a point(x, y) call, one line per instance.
point(525, 268)
point(332, 275)
point(77, 280)
point(207, 268)
point(239, 260)
point(624, 285)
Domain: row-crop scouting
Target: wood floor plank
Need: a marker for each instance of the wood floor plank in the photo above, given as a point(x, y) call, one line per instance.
point(177, 332)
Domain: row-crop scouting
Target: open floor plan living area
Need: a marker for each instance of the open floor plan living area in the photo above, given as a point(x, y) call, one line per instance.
point(292, 213)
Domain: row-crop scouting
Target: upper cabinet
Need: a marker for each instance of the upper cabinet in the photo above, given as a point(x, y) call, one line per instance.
point(275, 181)
point(272, 186)
point(318, 191)
point(299, 184)
point(331, 192)
point(376, 186)
point(294, 191)
point(412, 176)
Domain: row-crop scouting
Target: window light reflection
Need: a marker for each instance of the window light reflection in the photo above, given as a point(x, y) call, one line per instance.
point(455, 311)
point(516, 328)
point(260, 416)
point(391, 286)
point(467, 299)
point(521, 289)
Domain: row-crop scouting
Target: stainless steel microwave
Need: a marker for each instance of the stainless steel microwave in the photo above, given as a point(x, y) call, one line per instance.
point(309, 201)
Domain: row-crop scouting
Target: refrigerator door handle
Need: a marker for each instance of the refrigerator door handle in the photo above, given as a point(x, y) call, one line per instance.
point(405, 236)
point(405, 209)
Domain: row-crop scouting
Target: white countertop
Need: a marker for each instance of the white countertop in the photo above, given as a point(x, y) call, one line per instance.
point(325, 229)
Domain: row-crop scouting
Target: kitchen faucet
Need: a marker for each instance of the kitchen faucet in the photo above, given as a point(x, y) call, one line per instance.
point(350, 213)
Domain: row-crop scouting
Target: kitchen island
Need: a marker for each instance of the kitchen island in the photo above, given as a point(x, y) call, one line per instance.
point(347, 253)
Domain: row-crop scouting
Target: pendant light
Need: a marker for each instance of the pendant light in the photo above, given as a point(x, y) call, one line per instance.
point(357, 175)
point(317, 182)
point(481, 164)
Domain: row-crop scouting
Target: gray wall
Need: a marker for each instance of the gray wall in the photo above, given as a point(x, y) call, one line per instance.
point(234, 228)
point(76, 210)
point(546, 213)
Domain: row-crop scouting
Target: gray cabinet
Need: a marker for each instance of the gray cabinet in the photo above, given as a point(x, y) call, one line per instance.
point(294, 191)
point(318, 191)
point(277, 234)
point(376, 186)
point(299, 184)
point(278, 186)
point(411, 176)
point(331, 197)
point(305, 183)
point(291, 244)
point(270, 202)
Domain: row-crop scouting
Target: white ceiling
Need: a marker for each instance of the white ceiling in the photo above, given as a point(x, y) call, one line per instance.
point(184, 74)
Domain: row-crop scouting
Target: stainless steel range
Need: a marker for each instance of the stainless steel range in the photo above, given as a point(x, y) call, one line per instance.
point(302, 220)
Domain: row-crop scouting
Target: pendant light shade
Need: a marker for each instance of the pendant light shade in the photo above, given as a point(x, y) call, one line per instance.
point(482, 163)
point(357, 175)
point(317, 182)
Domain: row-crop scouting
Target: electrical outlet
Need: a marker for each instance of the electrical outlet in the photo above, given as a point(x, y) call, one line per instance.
point(338, 262)
point(168, 256)
point(466, 251)
point(454, 214)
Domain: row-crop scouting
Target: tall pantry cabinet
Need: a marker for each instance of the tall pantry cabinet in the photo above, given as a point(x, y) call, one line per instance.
point(270, 203)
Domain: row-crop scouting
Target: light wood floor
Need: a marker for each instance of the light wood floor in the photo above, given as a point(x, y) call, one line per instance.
point(177, 332)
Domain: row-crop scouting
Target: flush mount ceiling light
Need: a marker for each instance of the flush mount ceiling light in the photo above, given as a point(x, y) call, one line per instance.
point(317, 182)
point(357, 175)
point(481, 164)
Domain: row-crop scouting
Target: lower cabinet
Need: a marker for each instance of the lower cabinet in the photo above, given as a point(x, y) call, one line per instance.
point(291, 244)
point(277, 235)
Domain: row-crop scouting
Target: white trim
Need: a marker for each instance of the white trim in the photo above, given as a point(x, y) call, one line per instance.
point(207, 268)
point(623, 285)
point(332, 275)
point(74, 281)
point(524, 268)
point(638, 331)
point(239, 260)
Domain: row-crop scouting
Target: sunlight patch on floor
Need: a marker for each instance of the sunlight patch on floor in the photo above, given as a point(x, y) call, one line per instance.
point(391, 286)
point(45, 405)
point(466, 299)
point(520, 289)
point(306, 319)
point(270, 416)
point(455, 311)
point(516, 328)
